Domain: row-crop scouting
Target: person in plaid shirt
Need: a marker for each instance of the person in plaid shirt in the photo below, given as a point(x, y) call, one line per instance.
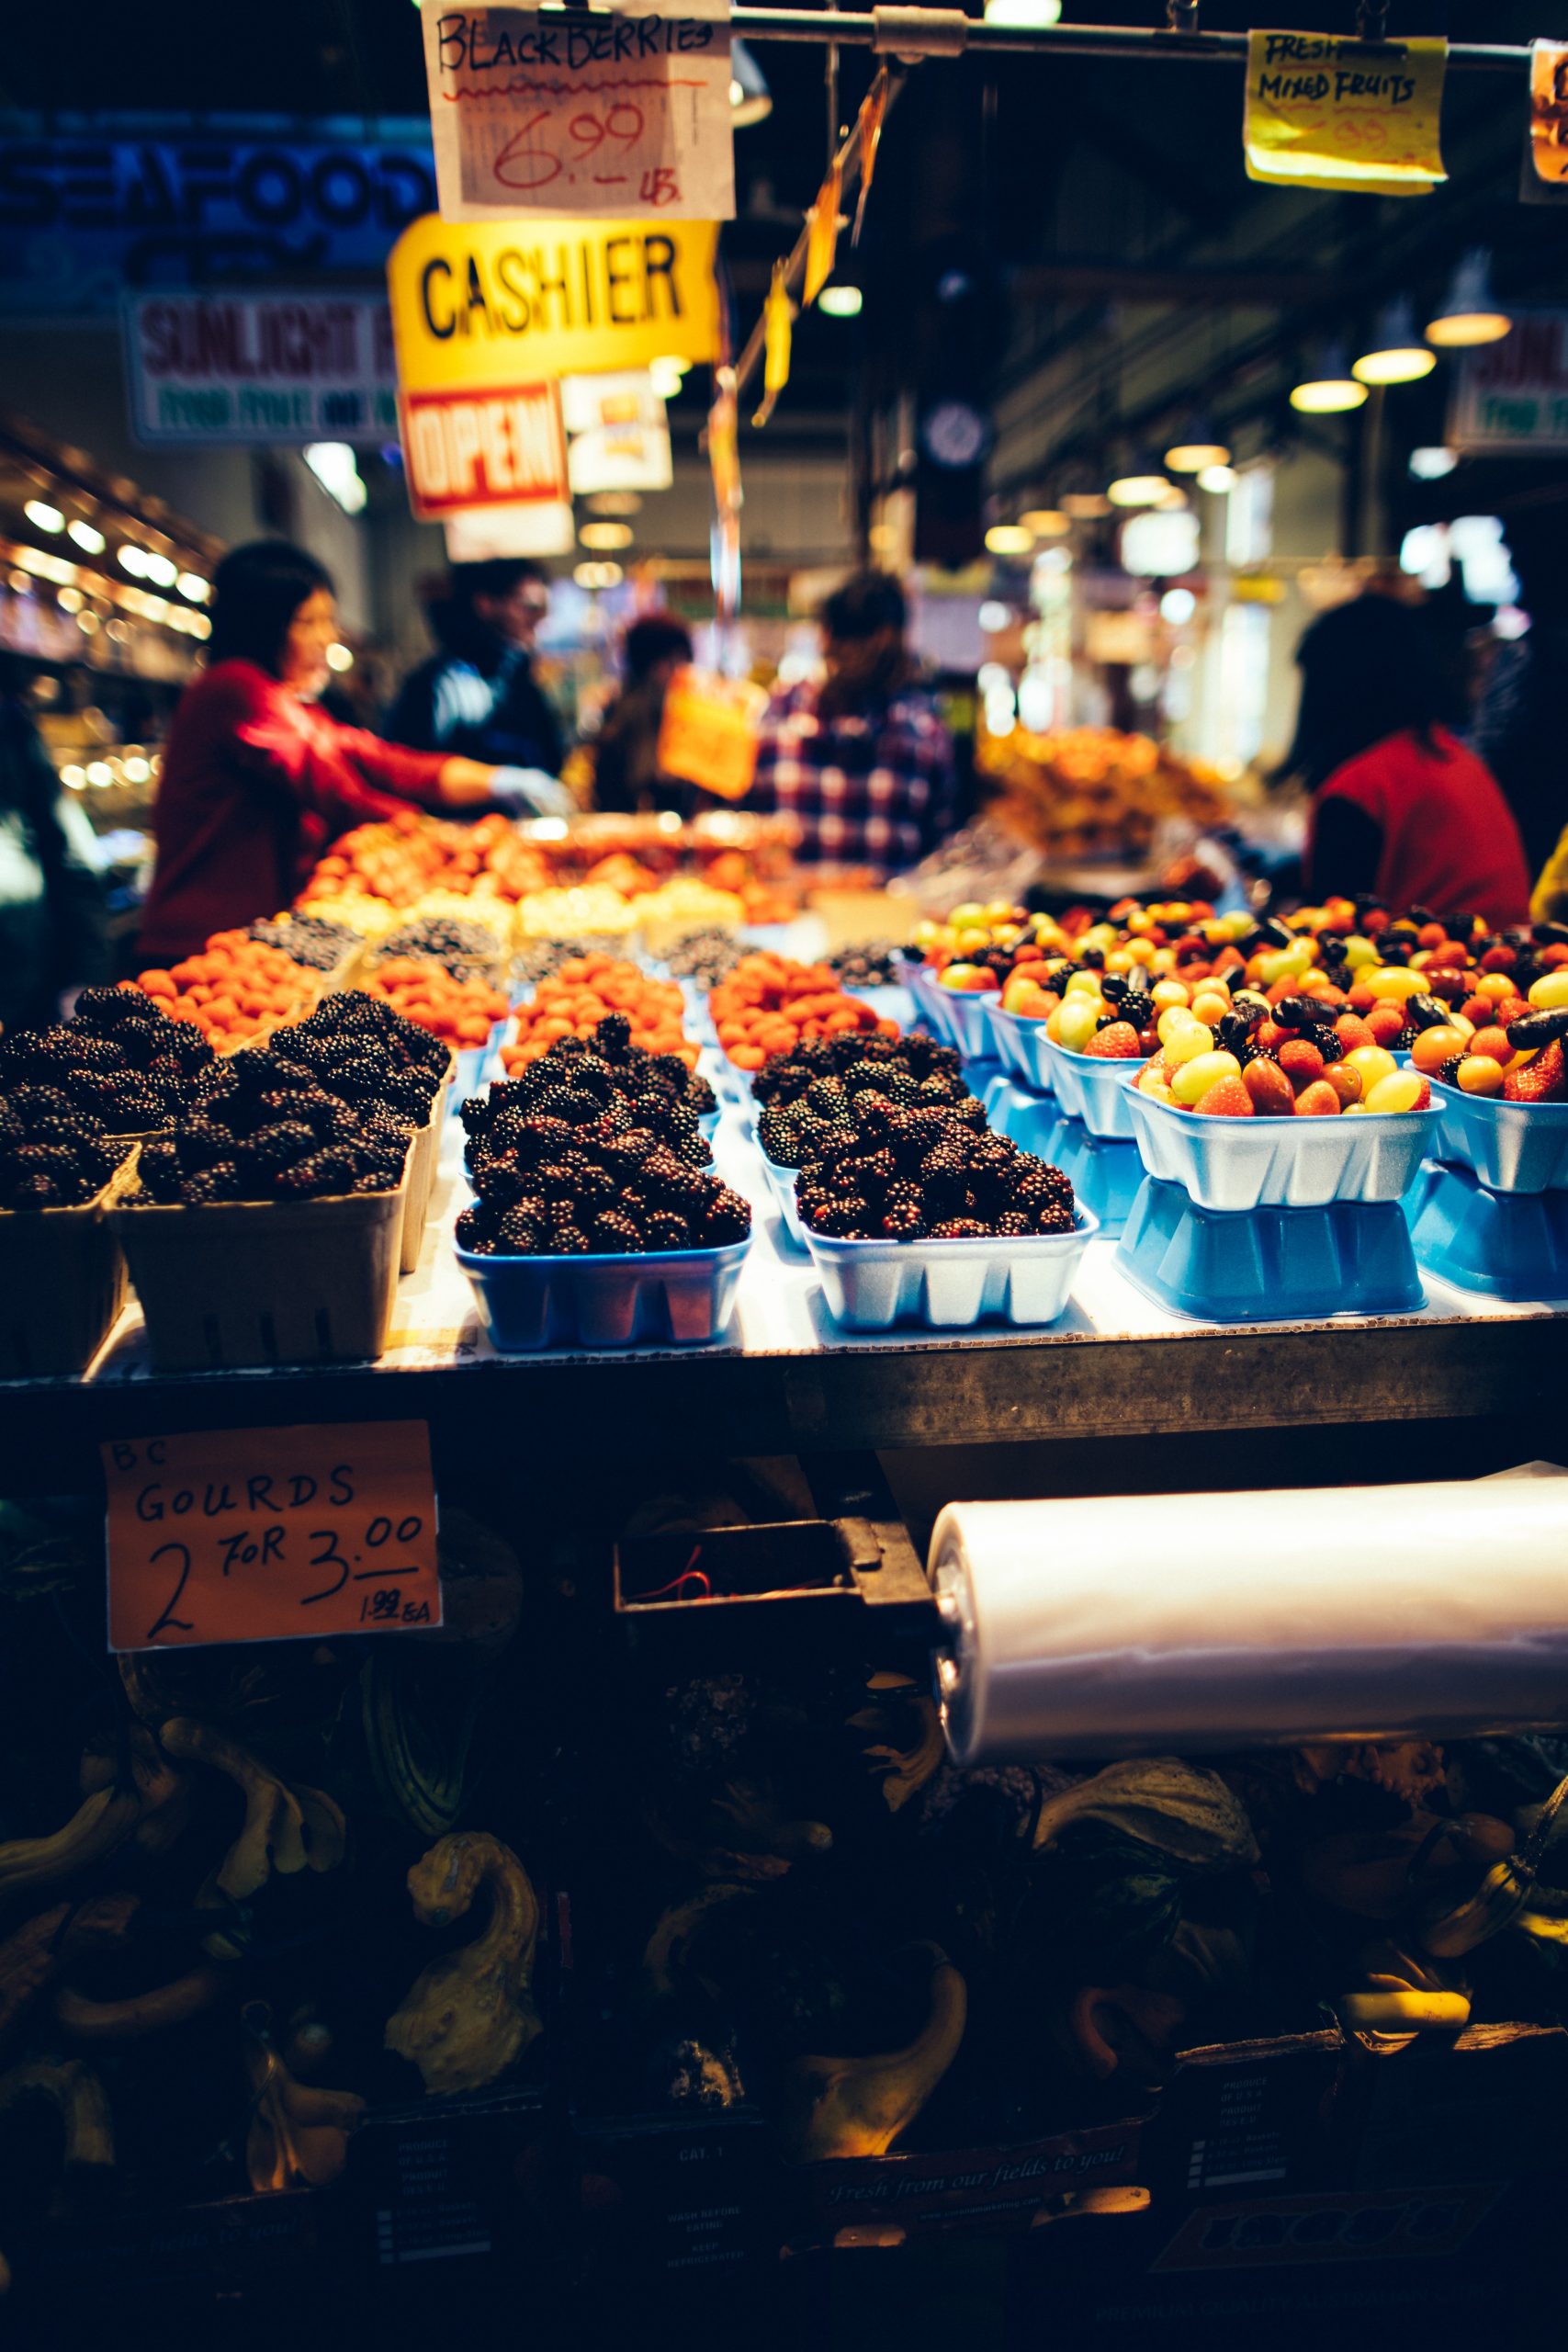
point(861, 760)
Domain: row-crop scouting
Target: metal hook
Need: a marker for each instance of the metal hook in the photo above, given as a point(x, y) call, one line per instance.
point(1181, 16)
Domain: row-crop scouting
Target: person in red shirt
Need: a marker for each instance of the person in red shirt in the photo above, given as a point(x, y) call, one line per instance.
point(1401, 810)
point(256, 780)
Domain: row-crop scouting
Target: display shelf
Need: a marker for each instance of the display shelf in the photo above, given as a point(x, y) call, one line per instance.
point(784, 1376)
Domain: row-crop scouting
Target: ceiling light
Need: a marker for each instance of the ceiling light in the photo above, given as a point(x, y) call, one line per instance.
point(1469, 315)
point(750, 100)
point(1398, 355)
point(1431, 465)
point(339, 658)
point(1047, 522)
point(336, 467)
point(1028, 15)
point(664, 376)
point(192, 585)
point(1197, 446)
point(1143, 484)
point(43, 516)
point(995, 617)
point(1010, 539)
point(603, 537)
point(160, 571)
point(598, 575)
point(1218, 479)
point(87, 535)
point(841, 301)
point(133, 559)
point(1171, 498)
point(614, 502)
point(1330, 387)
point(1085, 505)
point(1177, 607)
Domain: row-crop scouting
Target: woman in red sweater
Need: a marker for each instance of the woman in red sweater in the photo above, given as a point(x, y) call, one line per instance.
point(256, 780)
point(1401, 810)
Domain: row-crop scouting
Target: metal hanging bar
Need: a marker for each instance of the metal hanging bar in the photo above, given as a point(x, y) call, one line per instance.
point(947, 32)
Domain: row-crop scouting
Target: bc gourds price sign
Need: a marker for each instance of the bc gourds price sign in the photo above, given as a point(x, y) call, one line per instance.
point(270, 1535)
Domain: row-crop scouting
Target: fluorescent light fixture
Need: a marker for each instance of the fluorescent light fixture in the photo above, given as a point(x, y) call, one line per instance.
point(598, 575)
point(336, 467)
point(1398, 355)
point(1470, 314)
point(1141, 485)
point(133, 559)
point(1197, 446)
point(1431, 465)
point(87, 537)
point(192, 585)
point(841, 301)
point(605, 537)
point(1218, 479)
point(1010, 539)
point(43, 516)
point(1028, 15)
point(1330, 388)
point(1085, 505)
point(1047, 522)
point(160, 571)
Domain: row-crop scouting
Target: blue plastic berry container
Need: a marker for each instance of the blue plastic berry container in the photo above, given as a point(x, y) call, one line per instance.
point(1092, 1090)
point(1240, 1164)
point(781, 1184)
point(949, 1286)
point(731, 1085)
point(1503, 1245)
point(957, 1016)
point(679, 1298)
point(1020, 1045)
point(476, 1064)
point(894, 1003)
point(1509, 1147)
point(698, 1022)
point(1269, 1265)
point(1105, 1174)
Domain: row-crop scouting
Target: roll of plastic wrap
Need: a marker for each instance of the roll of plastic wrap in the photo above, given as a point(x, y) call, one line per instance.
point(1187, 1623)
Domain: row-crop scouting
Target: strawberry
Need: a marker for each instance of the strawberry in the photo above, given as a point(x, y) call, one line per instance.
point(1362, 997)
point(1116, 1043)
point(1423, 1098)
point(1268, 1036)
point(1300, 1062)
point(1557, 952)
point(1509, 1009)
point(1226, 1099)
point(1492, 1041)
point(1477, 1009)
point(1543, 1079)
point(1352, 1031)
point(1271, 1091)
point(1317, 1101)
point(1385, 1022)
point(1499, 960)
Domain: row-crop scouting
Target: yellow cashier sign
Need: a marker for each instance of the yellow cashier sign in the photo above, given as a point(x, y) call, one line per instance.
point(490, 304)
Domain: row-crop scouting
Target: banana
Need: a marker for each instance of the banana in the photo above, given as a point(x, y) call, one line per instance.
point(857, 2106)
point(470, 2016)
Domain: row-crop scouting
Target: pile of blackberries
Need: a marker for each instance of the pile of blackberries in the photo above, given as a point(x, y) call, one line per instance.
point(359, 1049)
point(705, 956)
point(308, 940)
point(537, 958)
point(902, 1174)
point(785, 1075)
point(118, 1056)
point(875, 966)
point(594, 1150)
point(810, 1113)
point(265, 1128)
point(53, 1156)
point(460, 948)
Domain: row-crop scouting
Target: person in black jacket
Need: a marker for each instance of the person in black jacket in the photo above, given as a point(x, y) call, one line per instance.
point(625, 749)
point(53, 922)
point(478, 697)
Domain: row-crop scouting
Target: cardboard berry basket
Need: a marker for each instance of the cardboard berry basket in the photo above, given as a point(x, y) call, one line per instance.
point(62, 1283)
point(238, 1284)
point(1281, 1162)
point(421, 1173)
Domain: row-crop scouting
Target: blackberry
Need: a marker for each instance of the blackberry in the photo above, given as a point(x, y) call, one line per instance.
point(519, 1235)
point(34, 1191)
point(667, 1229)
point(158, 1171)
point(1407, 1037)
point(611, 1036)
point(957, 1229)
point(1014, 1223)
point(201, 1189)
point(571, 1241)
point(842, 1218)
point(475, 1234)
point(728, 1218)
point(1056, 1218)
point(1330, 1047)
point(903, 1220)
point(1449, 1071)
point(615, 1232)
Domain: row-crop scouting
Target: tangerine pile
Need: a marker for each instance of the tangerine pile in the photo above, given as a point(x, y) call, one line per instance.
point(463, 1012)
point(768, 1003)
point(237, 988)
point(573, 1000)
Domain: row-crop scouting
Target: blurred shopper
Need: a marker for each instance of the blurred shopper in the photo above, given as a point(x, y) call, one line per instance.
point(1400, 808)
point(1518, 727)
point(625, 749)
point(860, 759)
point(256, 781)
point(53, 922)
point(477, 695)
